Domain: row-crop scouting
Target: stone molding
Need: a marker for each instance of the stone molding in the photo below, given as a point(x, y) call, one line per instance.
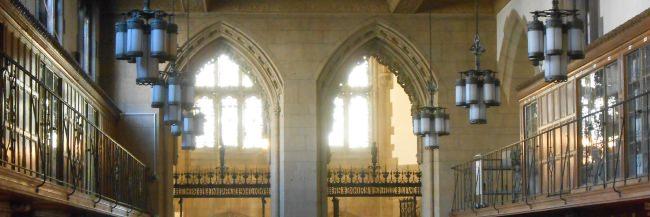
point(242, 48)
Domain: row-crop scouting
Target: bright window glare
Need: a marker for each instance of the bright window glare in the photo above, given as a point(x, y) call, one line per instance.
point(246, 81)
point(336, 135)
point(206, 106)
point(228, 72)
point(359, 122)
point(359, 76)
point(229, 121)
point(253, 124)
point(205, 77)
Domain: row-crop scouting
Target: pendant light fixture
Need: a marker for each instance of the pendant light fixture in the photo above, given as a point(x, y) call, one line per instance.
point(555, 43)
point(430, 122)
point(145, 38)
point(478, 89)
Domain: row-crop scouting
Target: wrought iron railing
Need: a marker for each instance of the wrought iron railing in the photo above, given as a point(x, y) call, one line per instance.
point(602, 149)
point(47, 137)
point(373, 183)
point(254, 183)
point(408, 207)
point(222, 183)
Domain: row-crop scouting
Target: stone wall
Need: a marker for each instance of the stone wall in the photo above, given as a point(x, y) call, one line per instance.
point(299, 45)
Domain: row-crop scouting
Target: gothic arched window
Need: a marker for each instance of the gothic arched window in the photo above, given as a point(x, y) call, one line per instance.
point(351, 116)
point(232, 104)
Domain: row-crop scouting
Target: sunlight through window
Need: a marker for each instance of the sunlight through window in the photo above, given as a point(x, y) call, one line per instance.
point(336, 135)
point(358, 122)
point(206, 105)
point(205, 77)
point(359, 76)
point(253, 123)
point(228, 72)
point(229, 121)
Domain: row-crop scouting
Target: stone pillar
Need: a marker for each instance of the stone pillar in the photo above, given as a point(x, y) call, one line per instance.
point(300, 161)
point(428, 178)
point(274, 156)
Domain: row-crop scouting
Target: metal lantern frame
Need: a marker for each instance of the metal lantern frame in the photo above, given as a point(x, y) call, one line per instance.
point(146, 37)
point(555, 42)
point(431, 122)
point(477, 89)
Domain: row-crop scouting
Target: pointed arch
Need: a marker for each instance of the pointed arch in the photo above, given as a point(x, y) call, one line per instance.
point(513, 48)
point(225, 38)
point(391, 49)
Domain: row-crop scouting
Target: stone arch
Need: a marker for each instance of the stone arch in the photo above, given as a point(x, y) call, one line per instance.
point(391, 49)
point(227, 39)
point(513, 48)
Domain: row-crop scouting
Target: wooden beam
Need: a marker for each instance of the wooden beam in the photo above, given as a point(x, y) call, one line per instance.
point(404, 6)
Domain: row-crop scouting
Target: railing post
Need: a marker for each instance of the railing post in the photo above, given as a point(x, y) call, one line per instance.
point(335, 205)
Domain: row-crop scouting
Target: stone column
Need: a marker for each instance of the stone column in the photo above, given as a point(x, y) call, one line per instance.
point(300, 165)
point(274, 156)
point(428, 178)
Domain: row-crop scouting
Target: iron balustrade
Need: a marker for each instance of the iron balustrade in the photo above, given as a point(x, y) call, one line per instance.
point(603, 149)
point(255, 183)
point(46, 137)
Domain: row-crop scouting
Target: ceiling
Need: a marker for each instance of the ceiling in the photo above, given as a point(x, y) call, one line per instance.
point(317, 6)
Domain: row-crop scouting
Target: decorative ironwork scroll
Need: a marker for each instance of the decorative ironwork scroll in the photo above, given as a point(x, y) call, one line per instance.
point(254, 183)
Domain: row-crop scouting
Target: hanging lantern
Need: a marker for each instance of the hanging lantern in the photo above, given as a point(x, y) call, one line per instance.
point(471, 89)
point(172, 44)
point(175, 129)
point(430, 141)
point(188, 123)
point(198, 124)
point(134, 39)
point(497, 93)
point(172, 114)
point(158, 94)
point(439, 121)
point(189, 142)
point(120, 40)
point(146, 68)
point(555, 68)
point(535, 40)
point(447, 130)
point(158, 41)
point(187, 89)
point(477, 113)
point(426, 118)
point(576, 41)
point(174, 89)
point(416, 124)
point(460, 92)
point(554, 29)
point(489, 96)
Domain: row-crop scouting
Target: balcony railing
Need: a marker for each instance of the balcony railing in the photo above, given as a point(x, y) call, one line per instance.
point(603, 149)
point(50, 136)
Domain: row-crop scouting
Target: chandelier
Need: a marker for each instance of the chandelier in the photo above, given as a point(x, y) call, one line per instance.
point(557, 42)
point(148, 38)
point(478, 89)
point(430, 121)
